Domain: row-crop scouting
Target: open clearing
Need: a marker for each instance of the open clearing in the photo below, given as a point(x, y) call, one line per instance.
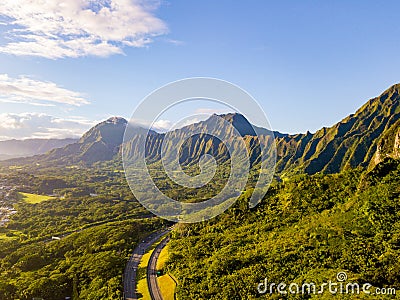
point(34, 198)
point(165, 282)
point(167, 286)
point(142, 288)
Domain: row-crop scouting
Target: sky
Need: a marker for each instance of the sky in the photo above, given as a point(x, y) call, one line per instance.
point(67, 65)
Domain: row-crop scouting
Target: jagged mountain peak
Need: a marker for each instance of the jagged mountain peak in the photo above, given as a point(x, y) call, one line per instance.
point(393, 89)
point(116, 120)
point(231, 117)
point(110, 131)
point(239, 121)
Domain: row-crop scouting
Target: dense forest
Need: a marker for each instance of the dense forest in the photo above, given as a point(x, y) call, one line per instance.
point(307, 229)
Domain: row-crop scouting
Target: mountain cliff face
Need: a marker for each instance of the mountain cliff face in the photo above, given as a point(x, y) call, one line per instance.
point(361, 139)
point(351, 142)
point(388, 145)
point(197, 145)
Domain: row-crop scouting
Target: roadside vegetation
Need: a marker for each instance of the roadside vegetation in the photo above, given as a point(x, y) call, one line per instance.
point(84, 265)
point(141, 278)
point(167, 286)
point(166, 281)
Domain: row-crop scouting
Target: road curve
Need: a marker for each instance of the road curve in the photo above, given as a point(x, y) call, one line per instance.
point(134, 261)
point(152, 283)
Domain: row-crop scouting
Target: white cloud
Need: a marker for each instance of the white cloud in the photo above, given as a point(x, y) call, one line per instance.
point(36, 125)
point(26, 90)
point(158, 125)
point(175, 42)
point(162, 125)
point(168, 125)
point(58, 28)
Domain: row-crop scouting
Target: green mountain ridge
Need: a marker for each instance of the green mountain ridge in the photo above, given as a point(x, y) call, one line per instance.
point(350, 143)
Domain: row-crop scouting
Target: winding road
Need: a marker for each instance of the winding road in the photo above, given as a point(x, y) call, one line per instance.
point(152, 283)
point(134, 261)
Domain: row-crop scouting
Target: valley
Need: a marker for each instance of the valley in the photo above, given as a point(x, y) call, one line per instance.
point(333, 206)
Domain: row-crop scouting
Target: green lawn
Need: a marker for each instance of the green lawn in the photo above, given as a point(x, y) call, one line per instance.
point(162, 258)
point(142, 288)
point(33, 198)
point(167, 286)
point(15, 167)
point(165, 282)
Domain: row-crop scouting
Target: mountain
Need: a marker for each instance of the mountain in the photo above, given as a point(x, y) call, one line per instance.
point(360, 139)
point(29, 147)
point(350, 143)
point(195, 146)
point(100, 143)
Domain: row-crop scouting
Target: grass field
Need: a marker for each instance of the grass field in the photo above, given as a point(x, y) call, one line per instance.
point(162, 258)
point(15, 167)
point(167, 286)
point(165, 282)
point(33, 198)
point(142, 289)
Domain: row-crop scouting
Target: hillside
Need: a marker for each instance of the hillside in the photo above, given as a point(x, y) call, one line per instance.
point(306, 230)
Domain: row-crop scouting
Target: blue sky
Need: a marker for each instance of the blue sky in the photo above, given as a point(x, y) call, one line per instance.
point(308, 63)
